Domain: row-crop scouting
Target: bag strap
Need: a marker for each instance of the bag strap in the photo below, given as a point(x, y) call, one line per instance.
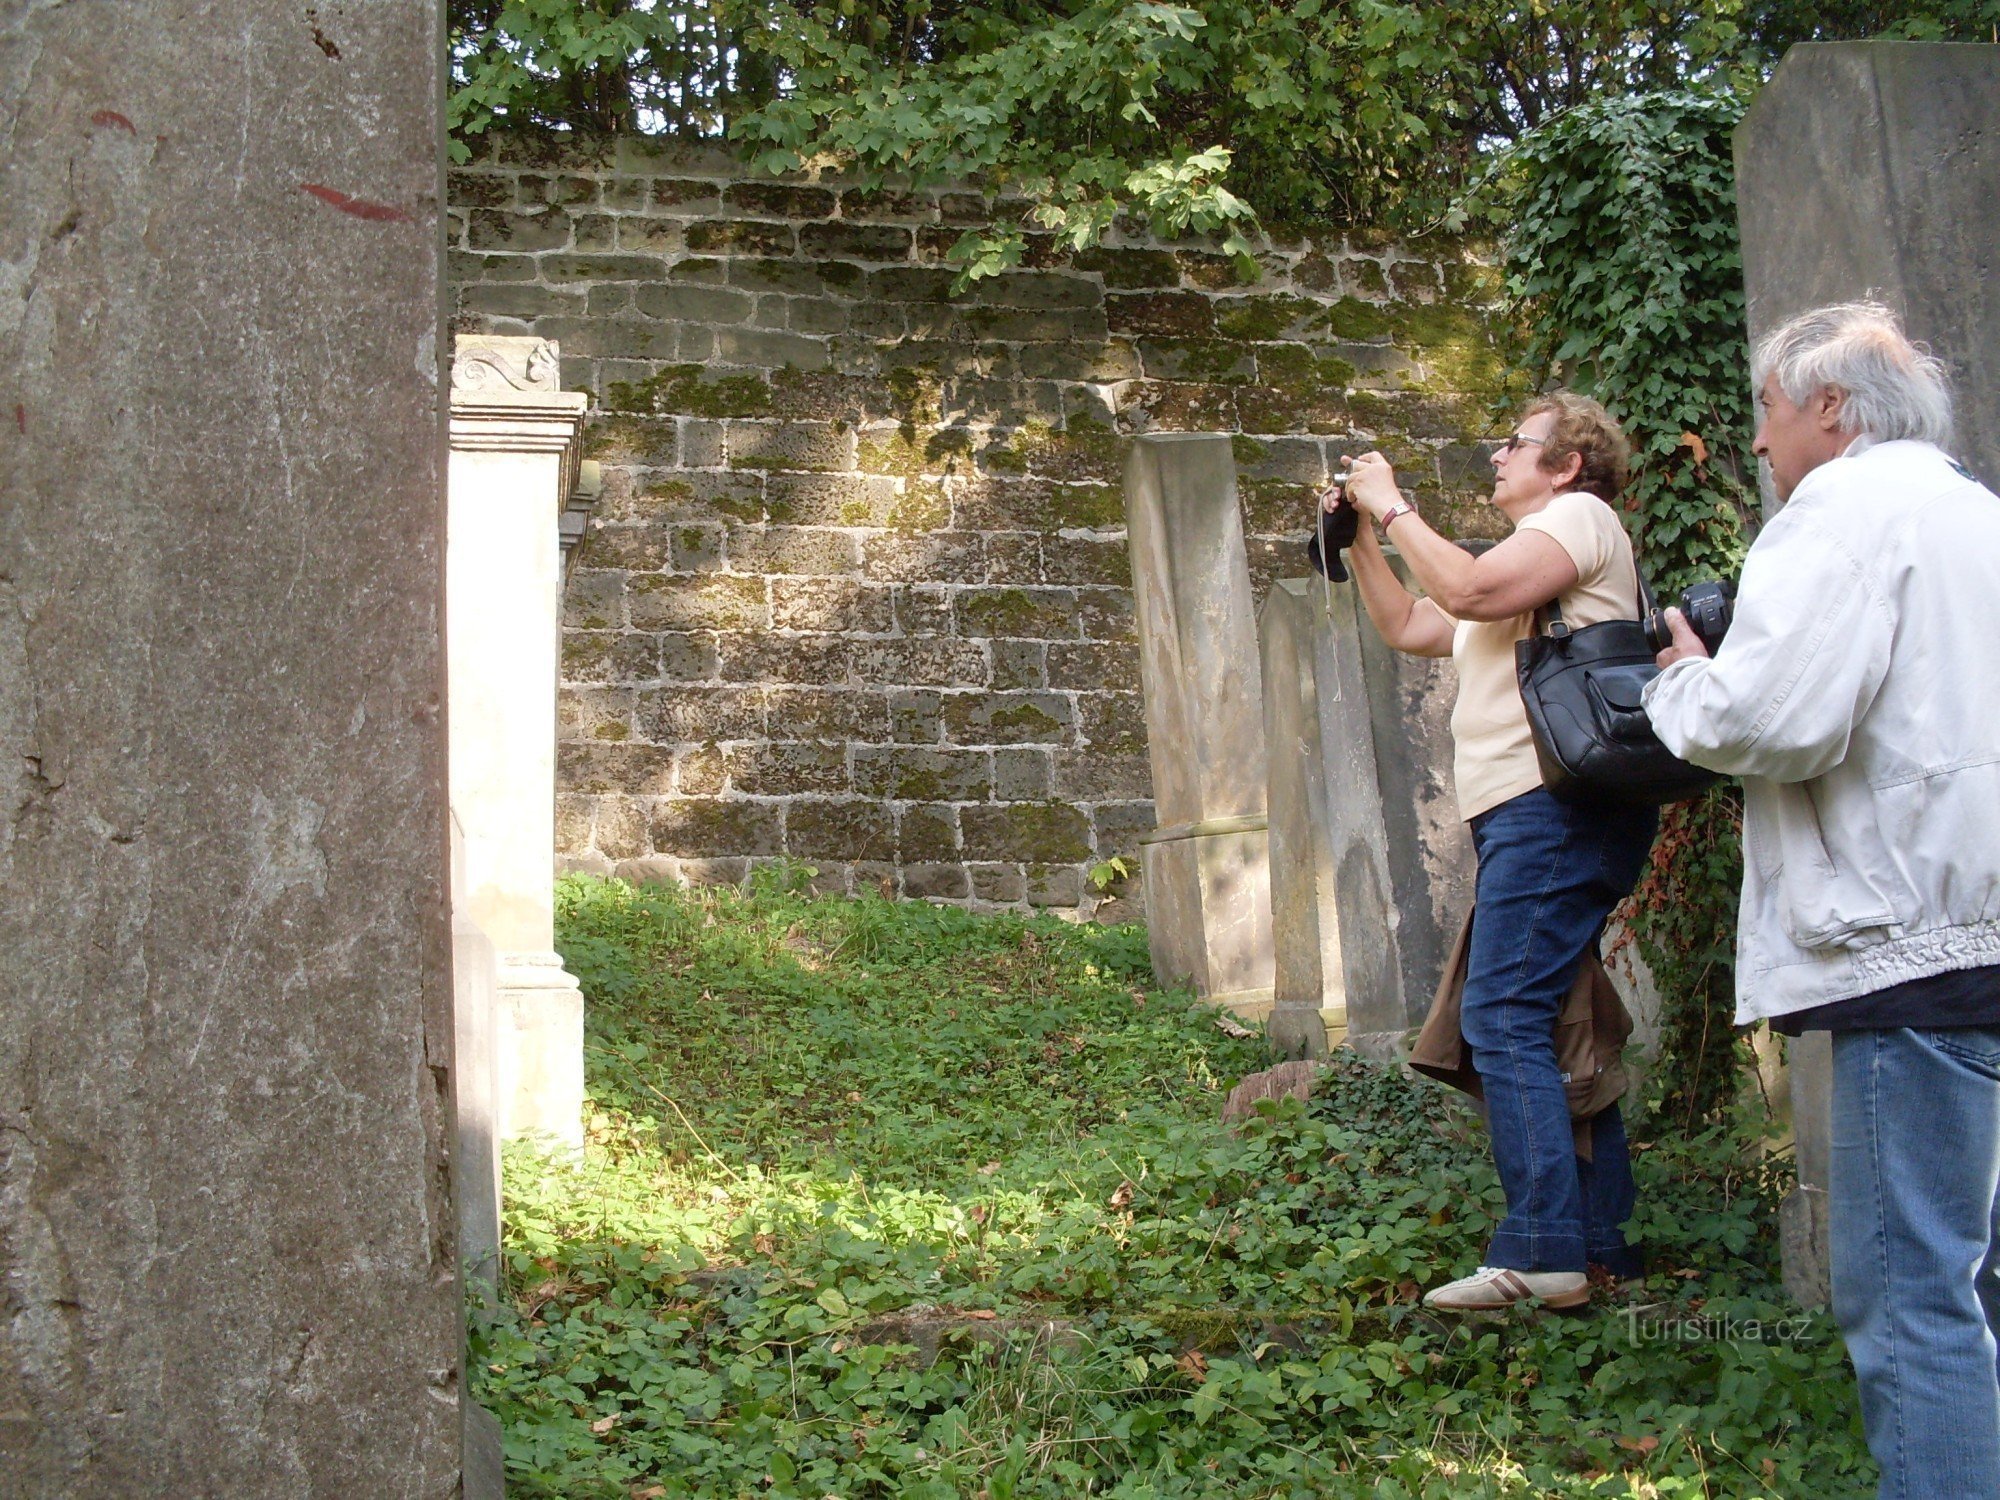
point(1553, 614)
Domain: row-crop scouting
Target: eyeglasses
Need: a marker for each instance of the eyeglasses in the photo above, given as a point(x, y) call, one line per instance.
point(1517, 440)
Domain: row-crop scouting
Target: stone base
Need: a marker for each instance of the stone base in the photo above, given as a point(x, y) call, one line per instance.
point(1803, 1241)
point(1208, 901)
point(541, 1064)
point(1385, 1048)
point(485, 1459)
point(1306, 1031)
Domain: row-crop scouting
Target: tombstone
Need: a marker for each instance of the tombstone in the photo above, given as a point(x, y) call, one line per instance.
point(1874, 168)
point(1206, 866)
point(1372, 869)
point(226, 1222)
point(514, 471)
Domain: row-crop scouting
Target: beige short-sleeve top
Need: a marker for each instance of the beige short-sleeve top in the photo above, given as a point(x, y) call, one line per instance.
point(1493, 752)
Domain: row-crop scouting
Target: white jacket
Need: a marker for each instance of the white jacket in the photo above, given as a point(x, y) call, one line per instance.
point(1858, 695)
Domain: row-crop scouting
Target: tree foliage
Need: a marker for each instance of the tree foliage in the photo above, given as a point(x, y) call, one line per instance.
point(1201, 114)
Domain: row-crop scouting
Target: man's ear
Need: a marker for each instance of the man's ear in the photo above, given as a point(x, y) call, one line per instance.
point(1827, 406)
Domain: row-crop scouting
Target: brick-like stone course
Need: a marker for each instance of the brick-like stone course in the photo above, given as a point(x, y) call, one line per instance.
point(857, 590)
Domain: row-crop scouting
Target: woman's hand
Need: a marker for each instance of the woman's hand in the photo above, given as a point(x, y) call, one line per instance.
point(1371, 485)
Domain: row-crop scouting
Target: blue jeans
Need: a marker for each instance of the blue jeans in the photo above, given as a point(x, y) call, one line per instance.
point(1914, 1216)
point(1549, 875)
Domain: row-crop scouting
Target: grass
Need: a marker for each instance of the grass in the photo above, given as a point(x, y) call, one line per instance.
point(894, 1200)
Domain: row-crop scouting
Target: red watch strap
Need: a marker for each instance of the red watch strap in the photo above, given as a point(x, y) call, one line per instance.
point(1395, 513)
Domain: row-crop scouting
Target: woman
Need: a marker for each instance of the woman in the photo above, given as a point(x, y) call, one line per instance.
point(1549, 872)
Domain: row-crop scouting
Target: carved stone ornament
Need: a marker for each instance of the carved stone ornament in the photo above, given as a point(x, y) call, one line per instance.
point(492, 363)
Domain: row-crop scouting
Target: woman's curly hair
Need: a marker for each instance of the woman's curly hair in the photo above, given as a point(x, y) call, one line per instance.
point(1584, 428)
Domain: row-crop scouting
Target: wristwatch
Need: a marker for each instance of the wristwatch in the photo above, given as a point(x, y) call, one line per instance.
point(1399, 509)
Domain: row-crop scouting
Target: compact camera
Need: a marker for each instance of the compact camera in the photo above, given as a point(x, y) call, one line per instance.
point(1709, 607)
point(1334, 532)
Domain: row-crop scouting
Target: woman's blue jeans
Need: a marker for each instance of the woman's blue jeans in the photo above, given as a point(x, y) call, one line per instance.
point(1549, 875)
point(1915, 1221)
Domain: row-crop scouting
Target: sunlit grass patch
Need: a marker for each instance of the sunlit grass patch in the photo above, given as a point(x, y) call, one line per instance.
point(889, 1199)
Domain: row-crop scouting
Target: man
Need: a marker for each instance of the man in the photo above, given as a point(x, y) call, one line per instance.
point(1858, 696)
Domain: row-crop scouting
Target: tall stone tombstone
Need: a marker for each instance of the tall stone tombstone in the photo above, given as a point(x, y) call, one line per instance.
point(1874, 168)
point(1365, 833)
point(514, 467)
point(227, 1257)
point(1207, 874)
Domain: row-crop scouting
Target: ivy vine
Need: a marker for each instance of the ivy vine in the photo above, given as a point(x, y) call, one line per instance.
point(1623, 269)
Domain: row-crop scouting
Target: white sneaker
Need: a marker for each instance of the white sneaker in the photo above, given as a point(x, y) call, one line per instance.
point(1492, 1287)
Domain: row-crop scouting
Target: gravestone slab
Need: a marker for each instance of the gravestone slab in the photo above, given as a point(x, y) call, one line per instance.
point(1206, 865)
point(1873, 168)
point(1375, 755)
point(227, 1243)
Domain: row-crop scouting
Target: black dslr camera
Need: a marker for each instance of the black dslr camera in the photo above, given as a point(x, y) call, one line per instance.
point(1708, 606)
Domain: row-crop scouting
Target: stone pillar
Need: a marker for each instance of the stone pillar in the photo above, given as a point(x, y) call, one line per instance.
point(1309, 1002)
point(1207, 873)
point(514, 459)
point(1389, 850)
point(476, 1012)
point(227, 1237)
point(1874, 168)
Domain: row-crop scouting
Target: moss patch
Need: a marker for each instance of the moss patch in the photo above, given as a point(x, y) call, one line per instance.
point(681, 390)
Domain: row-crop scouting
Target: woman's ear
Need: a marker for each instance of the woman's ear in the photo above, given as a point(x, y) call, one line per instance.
point(1565, 476)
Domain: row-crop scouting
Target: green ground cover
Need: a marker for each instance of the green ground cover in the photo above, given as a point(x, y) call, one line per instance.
point(829, 1138)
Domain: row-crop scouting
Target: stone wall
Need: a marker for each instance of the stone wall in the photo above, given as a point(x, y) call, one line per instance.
point(857, 589)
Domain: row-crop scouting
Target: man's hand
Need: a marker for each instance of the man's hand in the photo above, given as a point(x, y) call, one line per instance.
point(1686, 642)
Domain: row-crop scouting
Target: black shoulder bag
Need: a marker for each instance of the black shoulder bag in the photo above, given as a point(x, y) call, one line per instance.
point(1582, 689)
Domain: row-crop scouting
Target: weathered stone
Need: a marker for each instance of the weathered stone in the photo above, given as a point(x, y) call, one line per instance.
point(632, 549)
point(923, 611)
point(605, 657)
point(1018, 664)
point(781, 769)
point(710, 827)
point(682, 715)
point(599, 267)
point(1048, 833)
point(863, 242)
point(1172, 314)
point(1087, 775)
point(936, 882)
point(832, 499)
point(753, 657)
point(1021, 775)
point(1112, 722)
point(794, 549)
point(790, 445)
point(812, 713)
point(835, 604)
point(926, 661)
point(1218, 361)
point(1002, 503)
point(1177, 406)
point(1034, 613)
point(635, 770)
point(686, 196)
point(1106, 614)
point(1096, 361)
point(1013, 557)
point(595, 232)
point(779, 200)
point(1094, 666)
point(851, 828)
point(950, 556)
point(1036, 289)
point(741, 237)
point(913, 775)
point(1125, 270)
point(1054, 885)
point(886, 203)
point(1288, 1080)
point(1004, 883)
point(226, 1036)
point(594, 601)
point(711, 602)
point(1009, 719)
point(1206, 875)
point(517, 232)
point(927, 833)
point(699, 771)
point(696, 304)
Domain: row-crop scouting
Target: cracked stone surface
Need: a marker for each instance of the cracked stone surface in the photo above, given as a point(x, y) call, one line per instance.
point(227, 1259)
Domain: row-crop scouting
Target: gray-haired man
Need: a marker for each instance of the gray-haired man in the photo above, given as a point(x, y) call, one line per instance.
point(1858, 695)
